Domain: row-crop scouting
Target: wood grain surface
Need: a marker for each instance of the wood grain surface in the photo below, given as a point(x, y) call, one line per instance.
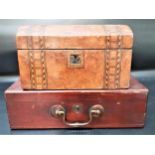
point(50, 69)
point(122, 108)
point(74, 37)
point(46, 53)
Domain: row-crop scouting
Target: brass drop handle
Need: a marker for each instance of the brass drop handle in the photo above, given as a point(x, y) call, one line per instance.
point(59, 111)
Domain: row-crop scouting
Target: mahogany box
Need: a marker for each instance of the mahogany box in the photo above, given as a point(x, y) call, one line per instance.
point(74, 56)
point(76, 108)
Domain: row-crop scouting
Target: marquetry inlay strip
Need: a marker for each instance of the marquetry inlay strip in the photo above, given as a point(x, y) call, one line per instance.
point(31, 66)
point(42, 42)
point(38, 70)
point(107, 58)
point(37, 63)
point(118, 69)
point(112, 63)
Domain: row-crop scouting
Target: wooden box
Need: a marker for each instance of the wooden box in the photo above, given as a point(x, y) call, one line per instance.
point(74, 56)
point(76, 108)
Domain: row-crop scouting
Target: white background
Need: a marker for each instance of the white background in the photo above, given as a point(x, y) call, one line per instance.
point(64, 9)
point(77, 145)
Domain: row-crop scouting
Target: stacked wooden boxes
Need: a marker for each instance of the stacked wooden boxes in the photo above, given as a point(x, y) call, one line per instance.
point(77, 73)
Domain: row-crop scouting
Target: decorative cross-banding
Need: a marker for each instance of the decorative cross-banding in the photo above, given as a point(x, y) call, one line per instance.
point(112, 64)
point(37, 62)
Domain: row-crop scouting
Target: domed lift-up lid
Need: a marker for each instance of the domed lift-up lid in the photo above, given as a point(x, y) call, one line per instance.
point(74, 37)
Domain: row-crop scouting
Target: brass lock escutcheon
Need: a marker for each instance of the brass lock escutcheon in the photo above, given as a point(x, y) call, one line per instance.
point(75, 59)
point(58, 111)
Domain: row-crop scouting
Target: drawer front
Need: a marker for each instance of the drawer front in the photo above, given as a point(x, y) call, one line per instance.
point(65, 110)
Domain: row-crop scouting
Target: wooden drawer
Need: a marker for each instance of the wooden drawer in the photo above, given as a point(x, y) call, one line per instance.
point(76, 108)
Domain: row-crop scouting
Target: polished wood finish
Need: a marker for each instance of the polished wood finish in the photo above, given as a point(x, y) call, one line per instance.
point(103, 53)
point(31, 109)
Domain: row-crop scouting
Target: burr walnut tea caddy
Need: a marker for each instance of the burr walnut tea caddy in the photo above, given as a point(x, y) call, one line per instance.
point(75, 56)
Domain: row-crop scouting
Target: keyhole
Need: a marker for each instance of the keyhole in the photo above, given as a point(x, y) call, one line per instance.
point(77, 108)
point(75, 59)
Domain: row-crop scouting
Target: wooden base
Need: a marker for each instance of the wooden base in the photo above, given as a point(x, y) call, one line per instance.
point(32, 109)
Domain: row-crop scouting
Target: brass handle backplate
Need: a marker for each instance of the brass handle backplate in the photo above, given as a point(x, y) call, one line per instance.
point(59, 111)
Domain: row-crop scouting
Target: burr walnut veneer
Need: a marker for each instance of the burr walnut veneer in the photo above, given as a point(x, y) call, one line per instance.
point(74, 56)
